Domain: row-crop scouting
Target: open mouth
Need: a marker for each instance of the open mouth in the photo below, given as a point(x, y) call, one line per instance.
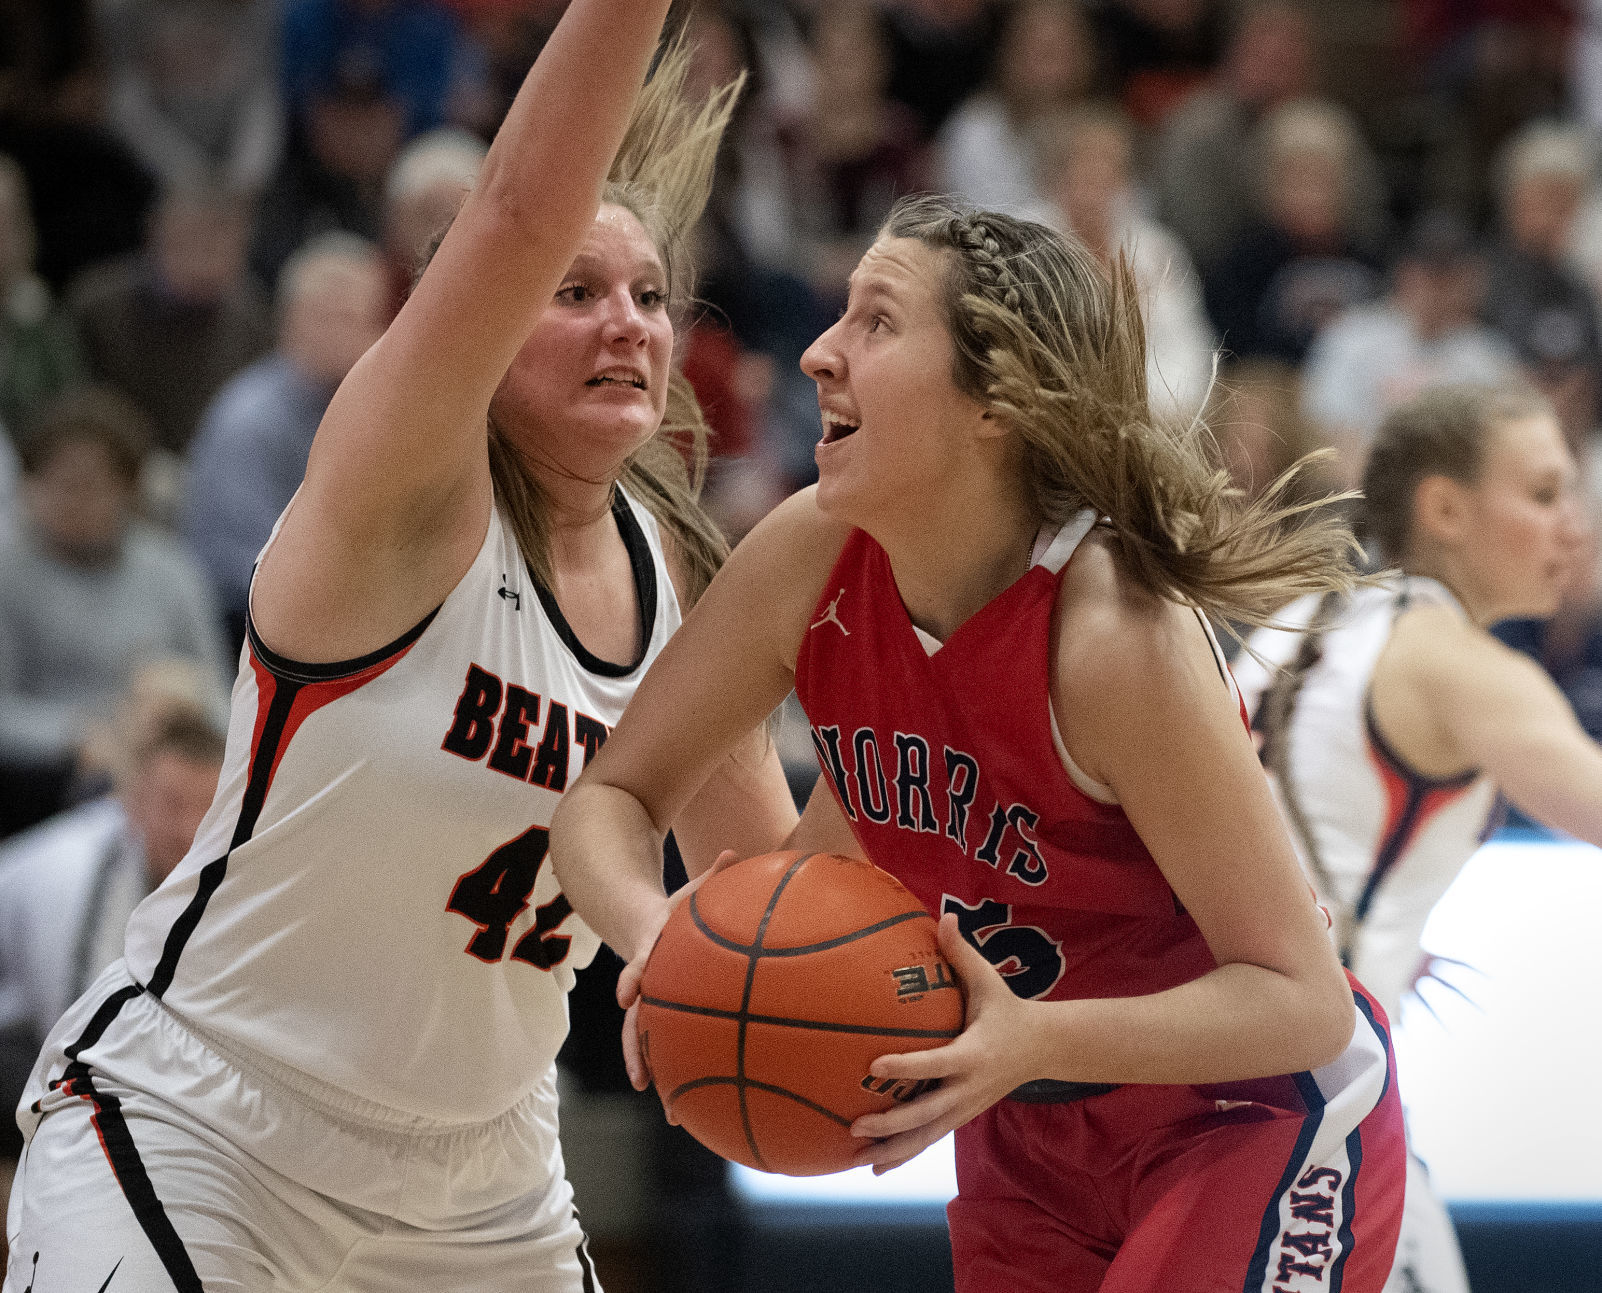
point(836, 428)
point(631, 380)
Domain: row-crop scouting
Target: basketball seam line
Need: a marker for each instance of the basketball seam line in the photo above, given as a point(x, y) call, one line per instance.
point(757, 952)
point(786, 1021)
point(771, 1089)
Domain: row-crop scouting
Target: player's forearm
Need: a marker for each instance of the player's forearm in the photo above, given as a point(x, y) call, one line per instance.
point(607, 853)
point(1236, 1022)
point(1558, 782)
point(564, 127)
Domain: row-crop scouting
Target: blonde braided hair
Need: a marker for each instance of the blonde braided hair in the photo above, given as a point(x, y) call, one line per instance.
point(1055, 347)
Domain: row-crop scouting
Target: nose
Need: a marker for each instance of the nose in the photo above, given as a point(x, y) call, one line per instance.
point(625, 320)
point(822, 360)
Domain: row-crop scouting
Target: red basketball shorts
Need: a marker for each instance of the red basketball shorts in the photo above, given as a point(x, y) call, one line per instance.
point(1285, 1185)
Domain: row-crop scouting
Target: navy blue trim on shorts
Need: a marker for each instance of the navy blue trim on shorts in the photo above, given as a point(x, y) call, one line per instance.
point(1354, 1157)
point(1313, 1098)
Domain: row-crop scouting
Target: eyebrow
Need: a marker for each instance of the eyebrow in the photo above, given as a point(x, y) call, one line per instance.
point(874, 286)
point(584, 262)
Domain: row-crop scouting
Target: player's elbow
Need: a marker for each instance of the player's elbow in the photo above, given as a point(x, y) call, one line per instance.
point(1327, 1022)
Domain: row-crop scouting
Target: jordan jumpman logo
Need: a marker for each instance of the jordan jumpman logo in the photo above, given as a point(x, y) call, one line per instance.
point(832, 616)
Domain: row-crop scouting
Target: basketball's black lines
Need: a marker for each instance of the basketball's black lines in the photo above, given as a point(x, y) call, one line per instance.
point(743, 1018)
point(783, 1092)
point(745, 1003)
point(746, 949)
point(787, 1021)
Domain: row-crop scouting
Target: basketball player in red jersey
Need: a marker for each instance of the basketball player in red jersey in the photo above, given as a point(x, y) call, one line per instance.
point(990, 607)
point(327, 1056)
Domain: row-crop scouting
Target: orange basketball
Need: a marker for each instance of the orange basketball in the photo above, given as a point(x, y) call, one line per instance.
point(771, 990)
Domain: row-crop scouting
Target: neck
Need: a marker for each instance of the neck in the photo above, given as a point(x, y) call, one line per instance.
point(1450, 575)
point(949, 561)
point(580, 515)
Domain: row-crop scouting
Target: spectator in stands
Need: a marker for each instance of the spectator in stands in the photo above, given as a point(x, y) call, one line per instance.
point(39, 355)
point(1305, 258)
point(1424, 332)
point(1255, 412)
point(1086, 171)
point(413, 49)
point(425, 187)
point(1203, 170)
point(250, 453)
point(193, 88)
point(339, 154)
point(68, 885)
point(939, 52)
point(1045, 63)
point(170, 324)
point(87, 594)
point(90, 195)
point(1533, 296)
point(855, 152)
point(1159, 51)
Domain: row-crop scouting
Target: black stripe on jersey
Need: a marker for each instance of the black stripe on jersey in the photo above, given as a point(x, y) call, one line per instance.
point(211, 875)
point(135, 1182)
point(299, 671)
point(292, 676)
point(645, 595)
point(110, 1008)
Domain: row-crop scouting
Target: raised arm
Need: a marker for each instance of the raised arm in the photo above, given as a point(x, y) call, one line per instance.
point(397, 490)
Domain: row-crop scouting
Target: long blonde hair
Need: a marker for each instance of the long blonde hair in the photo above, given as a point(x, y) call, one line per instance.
point(1055, 346)
point(663, 175)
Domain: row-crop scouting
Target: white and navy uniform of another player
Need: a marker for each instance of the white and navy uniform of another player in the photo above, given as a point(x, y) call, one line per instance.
point(1381, 842)
point(358, 975)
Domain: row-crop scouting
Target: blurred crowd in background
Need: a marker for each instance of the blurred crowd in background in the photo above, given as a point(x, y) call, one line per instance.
point(210, 208)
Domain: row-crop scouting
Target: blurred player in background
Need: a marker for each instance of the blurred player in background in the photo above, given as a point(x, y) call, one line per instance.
point(1392, 722)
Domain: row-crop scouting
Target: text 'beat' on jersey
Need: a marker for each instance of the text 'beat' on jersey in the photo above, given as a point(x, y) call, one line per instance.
point(365, 877)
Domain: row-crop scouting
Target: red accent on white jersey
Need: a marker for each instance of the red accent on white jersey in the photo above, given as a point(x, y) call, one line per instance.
point(1389, 841)
point(317, 924)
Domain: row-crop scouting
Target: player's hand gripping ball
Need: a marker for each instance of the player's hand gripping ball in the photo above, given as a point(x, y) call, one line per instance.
point(771, 991)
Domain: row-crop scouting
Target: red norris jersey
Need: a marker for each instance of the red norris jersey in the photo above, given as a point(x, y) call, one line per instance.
point(947, 765)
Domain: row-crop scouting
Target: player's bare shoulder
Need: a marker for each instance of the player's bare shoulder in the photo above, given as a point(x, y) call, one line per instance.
point(1443, 659)
point(1110, 628)
point(780, 567)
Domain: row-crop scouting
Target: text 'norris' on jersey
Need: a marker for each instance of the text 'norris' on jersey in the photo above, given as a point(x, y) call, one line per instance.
point(875, 784)
point(499, 719)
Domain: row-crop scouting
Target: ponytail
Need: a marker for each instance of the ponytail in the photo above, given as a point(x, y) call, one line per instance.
point(1056, 348)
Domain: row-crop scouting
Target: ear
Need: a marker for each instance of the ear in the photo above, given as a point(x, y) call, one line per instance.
point(987, 426)
point(1441, 509)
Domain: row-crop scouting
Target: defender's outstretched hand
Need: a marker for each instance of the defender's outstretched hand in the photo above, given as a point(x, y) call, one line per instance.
point(991, 1057)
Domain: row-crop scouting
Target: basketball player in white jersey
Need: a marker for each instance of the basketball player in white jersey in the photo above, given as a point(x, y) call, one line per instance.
point(327, 1056)
point(1391, 725)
